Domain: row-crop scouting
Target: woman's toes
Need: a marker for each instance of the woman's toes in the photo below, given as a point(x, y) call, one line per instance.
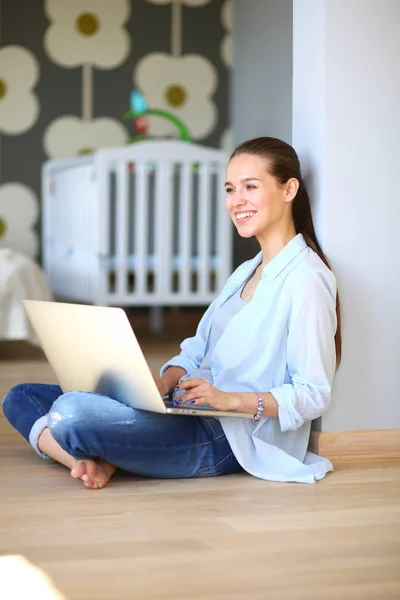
point(79, 470)
point(94, 474)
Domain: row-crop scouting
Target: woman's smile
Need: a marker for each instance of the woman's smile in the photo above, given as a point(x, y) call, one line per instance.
point(244, 216)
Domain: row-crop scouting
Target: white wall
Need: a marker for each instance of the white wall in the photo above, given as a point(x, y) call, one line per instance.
point(346, 127)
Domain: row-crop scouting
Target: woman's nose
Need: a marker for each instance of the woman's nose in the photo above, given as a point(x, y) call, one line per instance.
point(238, 200)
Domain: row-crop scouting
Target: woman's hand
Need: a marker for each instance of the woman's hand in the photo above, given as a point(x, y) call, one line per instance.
point(199, 391)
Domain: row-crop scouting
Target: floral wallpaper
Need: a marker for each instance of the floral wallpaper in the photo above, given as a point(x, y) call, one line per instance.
point(66, 71)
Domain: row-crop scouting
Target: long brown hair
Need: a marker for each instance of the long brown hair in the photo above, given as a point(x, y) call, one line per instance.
point(283, 164)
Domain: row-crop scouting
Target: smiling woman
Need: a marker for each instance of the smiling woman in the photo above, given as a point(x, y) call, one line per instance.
point(257, 203)
point(273, 200)
point(268, 346)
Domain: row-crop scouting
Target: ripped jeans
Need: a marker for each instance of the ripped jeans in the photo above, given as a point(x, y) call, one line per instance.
point(93, 426)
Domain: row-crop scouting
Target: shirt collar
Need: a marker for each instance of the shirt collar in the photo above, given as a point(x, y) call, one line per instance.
point(284, 258)
point(277, 264)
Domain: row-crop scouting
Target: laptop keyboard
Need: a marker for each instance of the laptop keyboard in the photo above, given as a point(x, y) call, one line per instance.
point(168, 403)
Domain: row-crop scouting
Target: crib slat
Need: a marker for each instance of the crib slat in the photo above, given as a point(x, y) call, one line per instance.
point(185, 228)
point(204, 229)
point(91, 228)
point(47, 239)
point(224, 238)
point(71, 242)
point(163, 229)
point(141, 227)
point(158, 229)
point(101, 245)
point(121, 228)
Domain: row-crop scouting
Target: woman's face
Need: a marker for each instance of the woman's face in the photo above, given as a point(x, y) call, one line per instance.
point(254, 199)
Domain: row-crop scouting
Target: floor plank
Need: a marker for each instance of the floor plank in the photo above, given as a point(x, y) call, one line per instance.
point(230, 537)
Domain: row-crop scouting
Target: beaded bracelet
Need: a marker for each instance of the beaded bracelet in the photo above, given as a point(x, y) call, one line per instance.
point(260, 408)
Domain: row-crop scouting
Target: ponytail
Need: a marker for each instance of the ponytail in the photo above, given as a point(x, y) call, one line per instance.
point(304, 224)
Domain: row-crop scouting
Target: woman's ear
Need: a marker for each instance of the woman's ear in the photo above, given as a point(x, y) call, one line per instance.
point(291, 189)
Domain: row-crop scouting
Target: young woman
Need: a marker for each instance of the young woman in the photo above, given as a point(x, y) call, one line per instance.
point(269, 346)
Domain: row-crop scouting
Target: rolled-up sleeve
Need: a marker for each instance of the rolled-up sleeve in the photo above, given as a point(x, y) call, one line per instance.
point(311, 354)
point(193, 349)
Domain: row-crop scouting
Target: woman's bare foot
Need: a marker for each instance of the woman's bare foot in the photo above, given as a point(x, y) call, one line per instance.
point(95, 474)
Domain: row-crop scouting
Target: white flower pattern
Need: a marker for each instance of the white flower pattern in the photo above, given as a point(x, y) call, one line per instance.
point(227, 42)
point(19, 106)
point(87, 32)
point(70, 136)
point(183, 86)
point(226, 141)
point(18, 214)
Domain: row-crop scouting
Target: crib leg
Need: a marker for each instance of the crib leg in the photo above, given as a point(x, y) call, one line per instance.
point(156, 319)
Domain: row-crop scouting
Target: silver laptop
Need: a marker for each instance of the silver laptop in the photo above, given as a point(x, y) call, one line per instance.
point(94, 349)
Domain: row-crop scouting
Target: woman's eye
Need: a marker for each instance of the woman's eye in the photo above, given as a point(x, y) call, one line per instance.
point(228, 190)
point(250, 187)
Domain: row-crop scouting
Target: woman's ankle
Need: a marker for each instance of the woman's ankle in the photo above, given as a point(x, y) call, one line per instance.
point(48, 445)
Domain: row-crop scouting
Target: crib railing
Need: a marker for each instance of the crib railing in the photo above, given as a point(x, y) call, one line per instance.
point(140, 225)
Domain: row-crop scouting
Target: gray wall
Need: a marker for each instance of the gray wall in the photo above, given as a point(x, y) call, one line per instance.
point(262, 77)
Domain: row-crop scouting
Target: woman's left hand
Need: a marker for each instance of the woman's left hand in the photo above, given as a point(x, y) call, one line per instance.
point(199, 391)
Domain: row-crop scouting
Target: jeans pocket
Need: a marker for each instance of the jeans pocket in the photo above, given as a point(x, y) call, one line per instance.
point(225, 466)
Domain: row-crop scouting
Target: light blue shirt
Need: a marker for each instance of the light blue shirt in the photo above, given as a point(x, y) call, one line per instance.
point(221, 317)
point(282, 342)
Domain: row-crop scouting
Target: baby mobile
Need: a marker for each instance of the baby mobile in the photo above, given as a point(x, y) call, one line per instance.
point(139, 113)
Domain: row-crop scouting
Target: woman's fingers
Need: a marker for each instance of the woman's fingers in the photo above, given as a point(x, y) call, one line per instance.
point(195, 394)
point(190, 396)
point(191, 383)
point(196, 401)
point(197, 391)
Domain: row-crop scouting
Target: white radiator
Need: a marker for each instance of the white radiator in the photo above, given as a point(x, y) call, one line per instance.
point(141, 225)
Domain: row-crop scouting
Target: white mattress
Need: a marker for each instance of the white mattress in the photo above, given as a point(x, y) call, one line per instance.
point(20, 278)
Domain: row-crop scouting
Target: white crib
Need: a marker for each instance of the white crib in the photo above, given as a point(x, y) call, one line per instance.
point(140, 225)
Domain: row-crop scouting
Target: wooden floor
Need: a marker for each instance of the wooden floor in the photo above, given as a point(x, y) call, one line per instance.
point(216, 539)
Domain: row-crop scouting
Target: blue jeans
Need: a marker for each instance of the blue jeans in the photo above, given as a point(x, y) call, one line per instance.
point(149, 444)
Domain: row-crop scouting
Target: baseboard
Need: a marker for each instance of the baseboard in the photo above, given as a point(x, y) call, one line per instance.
point(382, 445)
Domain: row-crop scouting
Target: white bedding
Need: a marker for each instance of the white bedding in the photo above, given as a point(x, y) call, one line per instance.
point(20, 278)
